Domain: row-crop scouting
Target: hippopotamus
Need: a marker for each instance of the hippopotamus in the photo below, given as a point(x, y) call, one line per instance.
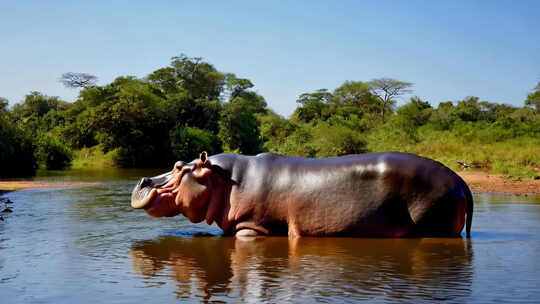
point(368, 195)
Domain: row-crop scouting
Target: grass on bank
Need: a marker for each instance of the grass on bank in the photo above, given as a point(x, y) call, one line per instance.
point(515, 157)
point(94, 158)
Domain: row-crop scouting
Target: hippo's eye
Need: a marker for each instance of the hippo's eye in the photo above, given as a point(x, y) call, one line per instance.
point(178, 165)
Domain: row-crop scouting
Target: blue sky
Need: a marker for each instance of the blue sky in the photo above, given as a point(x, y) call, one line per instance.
point(449, 50)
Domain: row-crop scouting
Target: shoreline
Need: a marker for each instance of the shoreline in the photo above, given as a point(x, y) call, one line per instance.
point(7, 186)
point(483, 182)
point(478, 182)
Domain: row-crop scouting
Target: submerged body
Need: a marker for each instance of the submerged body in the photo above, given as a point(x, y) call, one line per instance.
point(375, 195)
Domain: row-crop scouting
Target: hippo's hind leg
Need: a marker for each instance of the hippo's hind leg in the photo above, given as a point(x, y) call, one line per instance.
point(444, 218)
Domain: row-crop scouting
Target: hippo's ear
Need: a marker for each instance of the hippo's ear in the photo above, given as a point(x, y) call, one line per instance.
point(206, 163)
point(204, 158)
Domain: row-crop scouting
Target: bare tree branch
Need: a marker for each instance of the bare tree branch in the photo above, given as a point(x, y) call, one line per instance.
point(78, 80)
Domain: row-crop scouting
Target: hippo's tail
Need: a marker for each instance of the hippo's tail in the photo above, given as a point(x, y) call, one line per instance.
point(470, 207)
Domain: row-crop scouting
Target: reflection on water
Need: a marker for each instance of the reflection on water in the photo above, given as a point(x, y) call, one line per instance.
point(278, 269)
point(87, 245)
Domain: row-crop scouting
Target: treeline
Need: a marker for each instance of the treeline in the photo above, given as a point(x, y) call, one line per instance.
point(180, 110)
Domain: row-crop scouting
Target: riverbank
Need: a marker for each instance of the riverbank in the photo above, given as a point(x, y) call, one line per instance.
point(7, 186)
point(482, 182)
point(479, 182)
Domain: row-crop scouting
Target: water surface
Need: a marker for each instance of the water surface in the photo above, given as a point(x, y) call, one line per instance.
point(86, 245)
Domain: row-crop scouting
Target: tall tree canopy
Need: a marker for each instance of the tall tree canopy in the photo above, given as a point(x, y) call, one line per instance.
point(387, 90)
point(533, 99)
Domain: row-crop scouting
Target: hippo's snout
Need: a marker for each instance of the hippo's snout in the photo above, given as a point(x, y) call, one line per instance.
point(146, 190)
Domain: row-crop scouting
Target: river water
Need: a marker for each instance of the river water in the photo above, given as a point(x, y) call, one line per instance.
point(86, 245)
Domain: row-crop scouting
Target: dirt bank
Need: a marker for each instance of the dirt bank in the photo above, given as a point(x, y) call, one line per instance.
point(482, 182)
point(6, 186)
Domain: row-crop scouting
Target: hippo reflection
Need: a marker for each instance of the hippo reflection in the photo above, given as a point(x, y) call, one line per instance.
point(279, 269)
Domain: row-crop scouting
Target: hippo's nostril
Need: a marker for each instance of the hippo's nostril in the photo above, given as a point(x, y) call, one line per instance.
point(145, 182)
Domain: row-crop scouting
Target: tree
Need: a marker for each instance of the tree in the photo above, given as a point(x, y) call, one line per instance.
point(352, 93)
point(412, 115)
point(236, 86)
point(354, 102)
point(239, 128)
point(444, 116)
point(314, 105)
point(54, 154)
point(134, 121)
point(469, 109)
point(38, 104)
point(416, 113)
point(78, 80)
point(533, 99)
point(16, 147)
point(199, 78)
point(188, 142)
point(274, 129)
point(330, 141)
point(387, 89)
point(164, 80)
point(3, 104)
point(240, 87)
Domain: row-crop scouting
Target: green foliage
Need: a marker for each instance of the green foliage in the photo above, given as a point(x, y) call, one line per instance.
point(533, 100)
point(314, 106)
point(470, 109)
point(336, 140)
point(387, 90)
point(443, 117)
point(412, 115)
point(188, 107)
point(321, 140)
point(236, 86)
point(94, 158)
point(274, 129)
point(16, 147)
point(53, 153)
point(239, 128)
point(188, 142)
point(298, 143)
point(199, 78)
point(3, 106)
point(353, 93)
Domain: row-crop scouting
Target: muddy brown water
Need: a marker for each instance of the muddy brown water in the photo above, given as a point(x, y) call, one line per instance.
point(86, 245)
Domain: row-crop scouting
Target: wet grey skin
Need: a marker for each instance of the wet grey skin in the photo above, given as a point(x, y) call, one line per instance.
point(370, 195)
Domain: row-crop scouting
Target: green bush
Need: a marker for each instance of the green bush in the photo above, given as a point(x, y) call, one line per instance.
point(239, 128)
point(333, 141)
point(54, 154)
point(16, 151)
point(187, 142)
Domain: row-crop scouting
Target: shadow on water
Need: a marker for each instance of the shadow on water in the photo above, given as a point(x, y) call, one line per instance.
point(189, 232)
point(277, 269)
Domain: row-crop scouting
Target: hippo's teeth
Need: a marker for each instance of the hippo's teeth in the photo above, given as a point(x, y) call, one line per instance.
point(137, 204)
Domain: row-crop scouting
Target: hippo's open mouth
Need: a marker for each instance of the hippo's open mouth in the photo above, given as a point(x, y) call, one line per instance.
point(184, 190)
point(147, 189)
